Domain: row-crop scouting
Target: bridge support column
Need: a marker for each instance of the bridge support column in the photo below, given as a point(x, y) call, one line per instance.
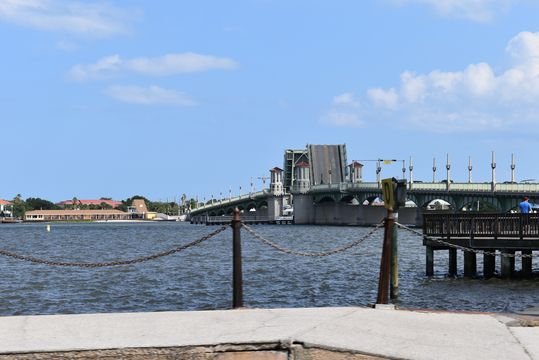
point(470, 264)
point(452, 262)
point(527, 263)
point(275, 205)
point(429, 260)
point(508, 264)
point(489, 264)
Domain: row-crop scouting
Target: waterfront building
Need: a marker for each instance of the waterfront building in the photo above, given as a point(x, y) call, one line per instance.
point(5, 208)
point(76, 215)
point(139, 210)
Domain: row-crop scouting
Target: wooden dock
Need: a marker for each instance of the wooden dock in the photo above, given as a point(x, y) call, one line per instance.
point(482, 233)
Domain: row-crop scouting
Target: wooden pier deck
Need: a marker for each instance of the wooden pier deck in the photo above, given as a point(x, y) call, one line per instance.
point(482, 233)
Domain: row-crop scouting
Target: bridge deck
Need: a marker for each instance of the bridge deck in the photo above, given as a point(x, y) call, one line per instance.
point(247, 219)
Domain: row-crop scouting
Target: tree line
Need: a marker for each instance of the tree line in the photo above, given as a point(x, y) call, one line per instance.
point(20, 206)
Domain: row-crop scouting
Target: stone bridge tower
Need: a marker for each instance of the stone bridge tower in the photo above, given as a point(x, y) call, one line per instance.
point(302, 183)
point(276, 198)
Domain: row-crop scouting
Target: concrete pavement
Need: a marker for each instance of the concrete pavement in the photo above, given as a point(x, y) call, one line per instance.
point(385, 333)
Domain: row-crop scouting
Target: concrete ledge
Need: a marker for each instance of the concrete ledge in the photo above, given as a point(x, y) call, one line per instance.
point(312, 333)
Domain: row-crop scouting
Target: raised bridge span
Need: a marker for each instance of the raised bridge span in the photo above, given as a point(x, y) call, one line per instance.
point(347, 203)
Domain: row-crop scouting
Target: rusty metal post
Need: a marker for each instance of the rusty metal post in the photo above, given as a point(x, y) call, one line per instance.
point(385, 263)
point(237, 277)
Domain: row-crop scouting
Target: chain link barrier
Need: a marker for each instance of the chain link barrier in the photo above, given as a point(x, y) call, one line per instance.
point(463, 248)
point(314, 254)
point(111, 263)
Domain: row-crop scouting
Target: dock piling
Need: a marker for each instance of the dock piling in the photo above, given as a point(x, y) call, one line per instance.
point(237, 282)
point(489, 264)
point(452, 262)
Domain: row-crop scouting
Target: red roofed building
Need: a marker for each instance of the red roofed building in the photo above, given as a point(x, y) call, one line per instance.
point(5, 208)
point(88, 203)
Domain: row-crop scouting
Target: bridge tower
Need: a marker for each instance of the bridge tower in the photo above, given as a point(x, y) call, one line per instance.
point(356, 172)
point(276, 185)
point(302, 177)
point(276, 199)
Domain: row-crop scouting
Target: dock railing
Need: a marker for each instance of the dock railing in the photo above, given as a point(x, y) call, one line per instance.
point(491, 225)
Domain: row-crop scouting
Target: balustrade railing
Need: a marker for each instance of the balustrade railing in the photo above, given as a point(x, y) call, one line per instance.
point(494, 225)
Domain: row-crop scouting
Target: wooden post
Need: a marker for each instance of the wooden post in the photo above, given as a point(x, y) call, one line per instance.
point(429, 260)
point(489, 264)
point(470, 264)
point(394, 287)
point(527, 263)
point(237, 277)
point(452, 262)
point(385, 262)
point(506, 269)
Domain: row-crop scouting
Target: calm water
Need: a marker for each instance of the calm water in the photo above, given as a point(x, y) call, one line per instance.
point(200, 277)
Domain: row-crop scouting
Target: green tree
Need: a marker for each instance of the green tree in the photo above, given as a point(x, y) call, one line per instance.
point(19, 206)
point(39, 204)
point(105, 206)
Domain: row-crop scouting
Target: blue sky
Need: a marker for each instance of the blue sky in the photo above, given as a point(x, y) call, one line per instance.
point(163, 98)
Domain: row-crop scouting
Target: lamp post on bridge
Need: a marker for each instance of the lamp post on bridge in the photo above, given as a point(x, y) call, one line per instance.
point(433, 169)
point(493, 166)
point(512, 168)
point(411, 167)
point(378, 171)
point(448, 168)
point(469, 169)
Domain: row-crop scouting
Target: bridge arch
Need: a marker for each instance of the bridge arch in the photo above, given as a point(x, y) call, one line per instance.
point(326, 199)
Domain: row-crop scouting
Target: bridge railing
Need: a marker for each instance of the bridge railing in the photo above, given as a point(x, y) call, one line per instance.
point(223, 202)
point(492, 225)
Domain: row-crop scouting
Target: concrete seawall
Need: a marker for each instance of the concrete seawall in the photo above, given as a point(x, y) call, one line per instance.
point(269, 334)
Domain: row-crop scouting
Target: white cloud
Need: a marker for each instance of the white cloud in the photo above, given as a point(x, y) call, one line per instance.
point(346, 99)
point(383, 98)
point(152, 95)
point(475, 99)
point(104, 68)
point(342, 119)
point(474, 10)
point(170, 64)
point(344, 112)
point(87, 18)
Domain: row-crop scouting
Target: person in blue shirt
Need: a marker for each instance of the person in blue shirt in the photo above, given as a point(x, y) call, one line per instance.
point(524, 206)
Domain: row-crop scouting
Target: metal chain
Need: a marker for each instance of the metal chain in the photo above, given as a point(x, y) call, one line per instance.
point(318, 254)
point(111, 263)
point(463, 248)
